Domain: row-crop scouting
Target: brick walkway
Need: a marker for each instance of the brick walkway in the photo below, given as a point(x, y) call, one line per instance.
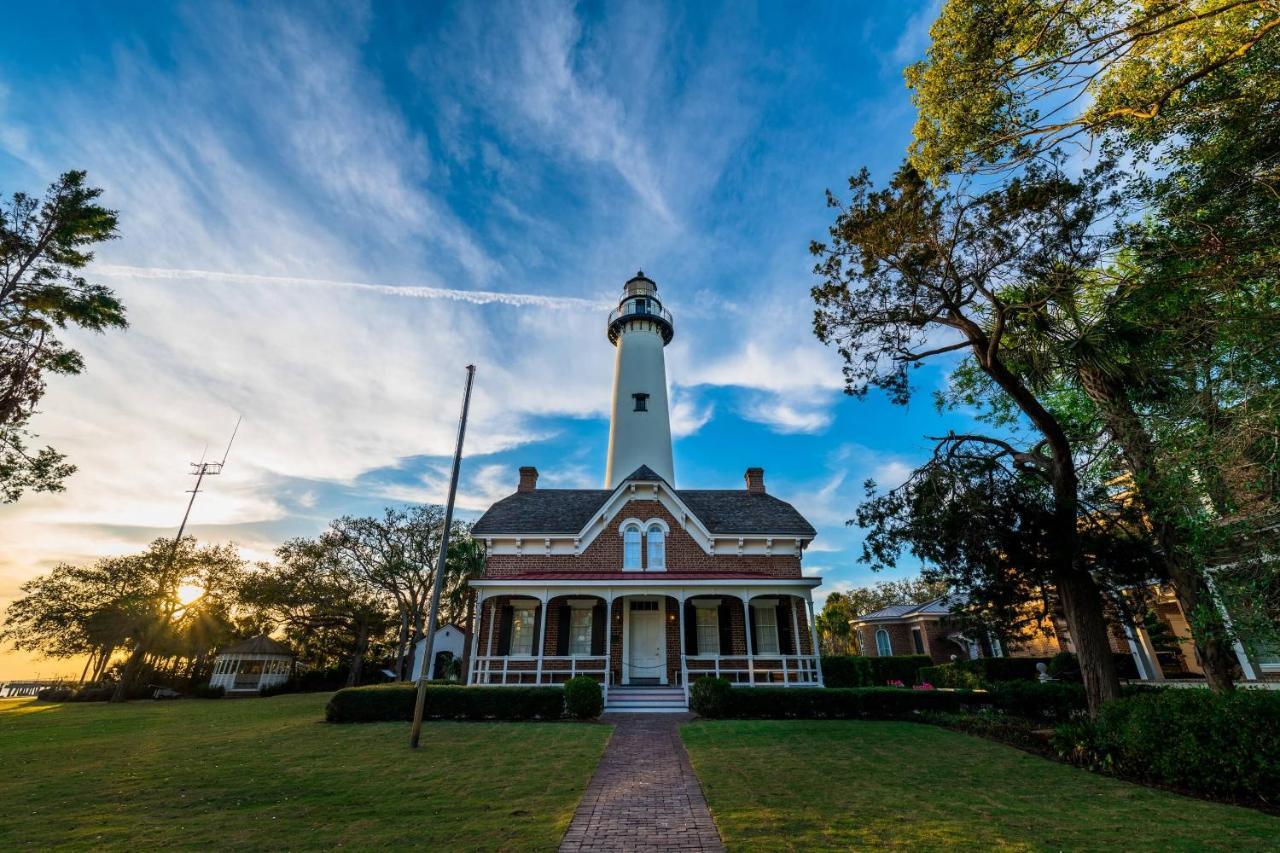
point(643, 795)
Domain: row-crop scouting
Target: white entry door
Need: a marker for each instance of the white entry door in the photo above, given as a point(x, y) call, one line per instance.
point(646, 642)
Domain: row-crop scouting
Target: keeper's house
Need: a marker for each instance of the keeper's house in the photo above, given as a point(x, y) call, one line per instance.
point(640, 584)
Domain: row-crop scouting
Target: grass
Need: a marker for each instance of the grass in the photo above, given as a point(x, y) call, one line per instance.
point(268, 774)
point(779, 785)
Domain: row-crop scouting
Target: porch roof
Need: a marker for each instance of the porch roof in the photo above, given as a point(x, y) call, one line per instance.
point(647, 579)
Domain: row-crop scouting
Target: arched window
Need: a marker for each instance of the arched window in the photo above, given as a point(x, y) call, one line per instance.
point(883, 648)
point(657, 548)
point(631, 547)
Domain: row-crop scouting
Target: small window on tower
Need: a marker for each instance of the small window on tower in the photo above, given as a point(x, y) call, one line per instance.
point(642, 402)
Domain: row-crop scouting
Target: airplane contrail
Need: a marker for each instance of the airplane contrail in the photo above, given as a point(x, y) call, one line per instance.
point(475, 297)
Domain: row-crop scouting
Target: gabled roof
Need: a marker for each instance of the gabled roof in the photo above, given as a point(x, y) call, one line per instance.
point(259, 645)
point(937, 607)
point(567, 511)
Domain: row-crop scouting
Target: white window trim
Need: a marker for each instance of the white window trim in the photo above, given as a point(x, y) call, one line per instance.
point(524, 604)
point(622, 531)
point(648, 552)
point(888, 643)
point(767, 604)
point(703, 608)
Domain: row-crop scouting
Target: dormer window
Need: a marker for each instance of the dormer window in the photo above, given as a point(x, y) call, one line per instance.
point(642, 402)
point(631, 548)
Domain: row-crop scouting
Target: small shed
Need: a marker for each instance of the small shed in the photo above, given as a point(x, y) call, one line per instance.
point(448, 645)
point(251, 665)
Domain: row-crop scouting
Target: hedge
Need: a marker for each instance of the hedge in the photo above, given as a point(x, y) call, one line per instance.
point(978, 671)
point(1213, 744)
point(836, 703)
point(859, 671)
point(394, 702)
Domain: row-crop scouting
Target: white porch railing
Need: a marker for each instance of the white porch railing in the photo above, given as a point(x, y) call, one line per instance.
point(753, 670)
point(549, 669)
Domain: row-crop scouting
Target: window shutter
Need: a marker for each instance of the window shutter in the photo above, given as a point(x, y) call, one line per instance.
point(754, 645)
point(786, 642)
point(537, 620)
point(726, 630)
point(566, 628)
point(504, 630)
point(599, 616)
point(690, 629)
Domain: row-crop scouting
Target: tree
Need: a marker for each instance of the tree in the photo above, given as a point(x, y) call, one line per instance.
point(840, 608)
point(153, 600)
point(313, 589)
point(43, 244)
point(1005, 81)
point(398, 554)
point(465, 563)
point(915, 271)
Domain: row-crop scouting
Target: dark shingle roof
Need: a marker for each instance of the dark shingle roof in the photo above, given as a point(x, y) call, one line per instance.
point(259, 645)
point(569, 510)
point(937, 607)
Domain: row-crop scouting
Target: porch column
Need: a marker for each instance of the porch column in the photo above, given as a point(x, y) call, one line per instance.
point(488, 647)
point(795, 638)
point(684, 672)
point(746, 631)
point(1242, 655)
point(608, 643)
point(542, 637)
point(475, 636)
point(813, 633)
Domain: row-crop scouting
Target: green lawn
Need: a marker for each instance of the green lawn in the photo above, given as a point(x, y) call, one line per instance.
point(269, 774)
point(810, 785)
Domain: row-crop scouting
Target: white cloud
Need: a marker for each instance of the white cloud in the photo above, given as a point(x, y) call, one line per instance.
point(785, 416)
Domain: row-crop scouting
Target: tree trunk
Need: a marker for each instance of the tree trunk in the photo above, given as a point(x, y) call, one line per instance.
point(1082, 604)
point(1189, 584)
point(84, 672)
point(357, 656)
point(400, 648)
point(103, 659)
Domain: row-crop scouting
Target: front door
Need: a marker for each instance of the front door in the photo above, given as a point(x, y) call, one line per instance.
point(646, 643)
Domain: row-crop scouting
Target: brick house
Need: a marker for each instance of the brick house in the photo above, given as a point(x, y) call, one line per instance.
point(643, 585)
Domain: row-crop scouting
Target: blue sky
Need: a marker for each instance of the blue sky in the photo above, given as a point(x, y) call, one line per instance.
point(326, 211)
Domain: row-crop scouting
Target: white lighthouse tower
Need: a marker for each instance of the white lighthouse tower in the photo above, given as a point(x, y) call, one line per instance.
point(640, 431)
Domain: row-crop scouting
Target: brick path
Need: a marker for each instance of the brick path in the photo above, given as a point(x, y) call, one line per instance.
point(643, 795)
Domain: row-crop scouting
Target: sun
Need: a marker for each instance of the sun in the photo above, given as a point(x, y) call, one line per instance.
point(189, 592)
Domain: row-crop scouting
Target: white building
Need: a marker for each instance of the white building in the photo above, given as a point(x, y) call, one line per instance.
point(251, 665)
point(449, 641)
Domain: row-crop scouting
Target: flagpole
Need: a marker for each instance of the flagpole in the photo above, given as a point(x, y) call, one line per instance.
point(428, 642)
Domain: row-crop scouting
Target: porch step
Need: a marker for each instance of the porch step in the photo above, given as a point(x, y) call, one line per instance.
point(646, 700)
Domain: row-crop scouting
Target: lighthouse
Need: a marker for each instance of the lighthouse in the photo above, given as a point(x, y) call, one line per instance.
point(640, 429)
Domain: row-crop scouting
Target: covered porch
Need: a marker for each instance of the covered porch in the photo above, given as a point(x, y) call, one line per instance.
point(644, 633)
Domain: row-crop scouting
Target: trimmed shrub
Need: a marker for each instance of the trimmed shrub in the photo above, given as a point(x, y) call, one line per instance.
point(1064, 666)
point(583, 698)
point(858, 671)
point(709, 697)
point(1213, 744)
point(1052, 701)
point(841, 703)
point(951, 675)
point(56, 694)
point(204, 691)
point(394, 702)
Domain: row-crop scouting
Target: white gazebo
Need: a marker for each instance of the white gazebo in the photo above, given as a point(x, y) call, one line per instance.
point(251, 665)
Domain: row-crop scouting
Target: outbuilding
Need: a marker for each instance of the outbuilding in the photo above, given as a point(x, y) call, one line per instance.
point(251, 665)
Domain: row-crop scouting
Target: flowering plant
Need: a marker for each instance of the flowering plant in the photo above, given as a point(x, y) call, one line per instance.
point(924, 685)
point(893, 682)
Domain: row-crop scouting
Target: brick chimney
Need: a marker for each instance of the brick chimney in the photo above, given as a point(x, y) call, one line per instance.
point(755, 481)
point(528, 479)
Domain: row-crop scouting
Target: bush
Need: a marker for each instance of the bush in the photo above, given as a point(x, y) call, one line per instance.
point(1064, 667)
point(55, 694)
point(951, 675)
point(204, 691)
point(1213, 744)
point(583, 698)
point(836, 703)
point(709, 697)
point(388, 702)
point(858, 671)
point(1052, 701)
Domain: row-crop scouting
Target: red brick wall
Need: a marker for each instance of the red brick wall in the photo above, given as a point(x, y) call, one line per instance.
point(604, 554)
